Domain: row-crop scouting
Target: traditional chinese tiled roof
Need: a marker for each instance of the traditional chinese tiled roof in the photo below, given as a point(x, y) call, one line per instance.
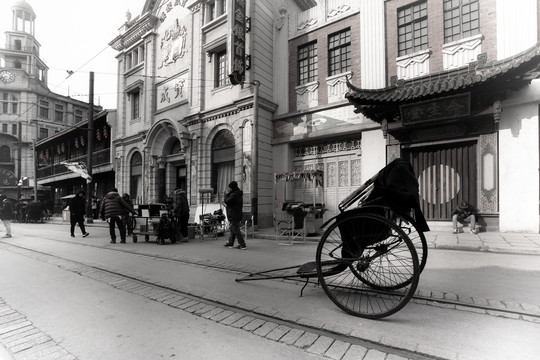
point(516, 70)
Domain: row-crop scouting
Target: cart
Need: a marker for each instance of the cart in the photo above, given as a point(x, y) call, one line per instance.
point(209, 216)
point(366, 261)
point(154, 220)
point(297, 219)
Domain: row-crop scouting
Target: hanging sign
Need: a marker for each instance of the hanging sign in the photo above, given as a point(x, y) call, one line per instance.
point(238, 42)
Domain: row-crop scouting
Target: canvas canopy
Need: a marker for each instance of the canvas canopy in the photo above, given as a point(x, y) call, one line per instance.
point(309, 175)
point(315, 176)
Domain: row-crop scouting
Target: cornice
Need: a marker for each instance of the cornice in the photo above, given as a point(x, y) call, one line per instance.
point(134, 32)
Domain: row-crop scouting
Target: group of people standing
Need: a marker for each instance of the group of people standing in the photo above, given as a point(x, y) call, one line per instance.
point(115, 209)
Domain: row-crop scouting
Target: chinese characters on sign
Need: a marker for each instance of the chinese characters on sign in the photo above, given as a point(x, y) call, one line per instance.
point(238, 57)
point(172, 92)
point(445, 108)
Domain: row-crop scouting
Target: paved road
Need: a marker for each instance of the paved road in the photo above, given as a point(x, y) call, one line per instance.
point(434, 330)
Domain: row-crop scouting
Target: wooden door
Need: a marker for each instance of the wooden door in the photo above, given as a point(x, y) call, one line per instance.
point(447, 174)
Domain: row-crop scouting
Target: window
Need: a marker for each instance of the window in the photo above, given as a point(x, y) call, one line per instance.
point(339, 52)
point(135, 104)
point(307, 63)
point(78, 115)
point(5, 154)
point(221, 78)
point(14, 129)
point(461, 19)
point(18, 45)
point(43, 133)
point(4, 128)
point(44, 109)
point(222, 160)
point(135, 186)
point(215, 8)
point(17, 64)
point(58, 112)
point(412, 29)
point(10, 103)
point(134, 57)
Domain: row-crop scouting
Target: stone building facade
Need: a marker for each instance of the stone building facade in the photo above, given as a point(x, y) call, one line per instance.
point(183, 125)
point(29, 110)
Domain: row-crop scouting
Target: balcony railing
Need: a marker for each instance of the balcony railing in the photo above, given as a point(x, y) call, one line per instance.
point(26, 49)
point(101, 157)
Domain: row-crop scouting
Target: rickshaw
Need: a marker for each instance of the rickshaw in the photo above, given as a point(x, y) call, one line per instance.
point(370, 256)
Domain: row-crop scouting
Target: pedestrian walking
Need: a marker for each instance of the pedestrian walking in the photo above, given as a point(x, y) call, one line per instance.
point(234, 201)
point(113, 207)
point(77, 209)
point(128, 223)
point(181, 212)
point(6, 214)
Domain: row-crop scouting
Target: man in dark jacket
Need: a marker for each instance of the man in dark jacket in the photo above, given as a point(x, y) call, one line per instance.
point(6, 214)
point(234, 200)
point(77, 209)
point(181, 212)
point(112, 209)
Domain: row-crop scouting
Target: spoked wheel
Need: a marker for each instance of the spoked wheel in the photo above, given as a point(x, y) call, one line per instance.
point(407, 224)
point(376, 265)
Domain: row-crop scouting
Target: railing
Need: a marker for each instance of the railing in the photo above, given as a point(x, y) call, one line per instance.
point(26, 49)
point(101, 157)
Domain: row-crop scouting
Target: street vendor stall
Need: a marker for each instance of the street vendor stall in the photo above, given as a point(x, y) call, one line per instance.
point(311, 211)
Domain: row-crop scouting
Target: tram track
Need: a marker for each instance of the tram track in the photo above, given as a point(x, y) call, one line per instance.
point(491, 307)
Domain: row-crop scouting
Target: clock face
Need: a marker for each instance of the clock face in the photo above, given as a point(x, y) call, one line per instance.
point(6, 76)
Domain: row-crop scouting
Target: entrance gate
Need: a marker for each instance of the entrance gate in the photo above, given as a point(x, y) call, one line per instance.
point(447, 174)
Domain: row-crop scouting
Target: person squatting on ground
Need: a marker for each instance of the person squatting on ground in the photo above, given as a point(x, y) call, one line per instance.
point(181, 212)
point(464, 213)
point(77, 209)
point(234, 199)
point(126, 218)
point(6, 214)
point(112, 210)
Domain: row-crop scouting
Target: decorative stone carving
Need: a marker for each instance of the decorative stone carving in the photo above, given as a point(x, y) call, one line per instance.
point(488, 165)
point(307, 96)
point(173, 44)
point(459, 53)
point(414, 65)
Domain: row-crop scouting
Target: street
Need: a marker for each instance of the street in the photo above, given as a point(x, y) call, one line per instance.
point(86, 297)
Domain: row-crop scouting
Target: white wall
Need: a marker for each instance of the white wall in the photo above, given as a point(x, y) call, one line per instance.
point(372, 44)
point(518, 166)
point(516, 26)
point(373, 153)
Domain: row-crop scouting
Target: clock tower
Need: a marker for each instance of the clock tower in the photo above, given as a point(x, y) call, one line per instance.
point(20, 56)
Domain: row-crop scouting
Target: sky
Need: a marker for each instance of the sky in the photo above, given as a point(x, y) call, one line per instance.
point(74, 36)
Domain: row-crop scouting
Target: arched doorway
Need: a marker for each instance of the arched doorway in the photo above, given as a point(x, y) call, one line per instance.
point(135, 178)
point(222, 161)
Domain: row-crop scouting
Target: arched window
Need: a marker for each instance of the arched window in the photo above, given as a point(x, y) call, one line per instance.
point(222, 160)
point(5, 154)
point(135, 188)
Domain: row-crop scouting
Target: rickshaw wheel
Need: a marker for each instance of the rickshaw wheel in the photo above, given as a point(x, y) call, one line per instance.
point(377, 265)
point(408, 225)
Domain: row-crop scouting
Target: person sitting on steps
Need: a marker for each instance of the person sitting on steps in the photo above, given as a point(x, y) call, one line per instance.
point(464, 213)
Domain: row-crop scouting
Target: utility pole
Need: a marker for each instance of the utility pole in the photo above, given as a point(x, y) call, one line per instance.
point(90, 142)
